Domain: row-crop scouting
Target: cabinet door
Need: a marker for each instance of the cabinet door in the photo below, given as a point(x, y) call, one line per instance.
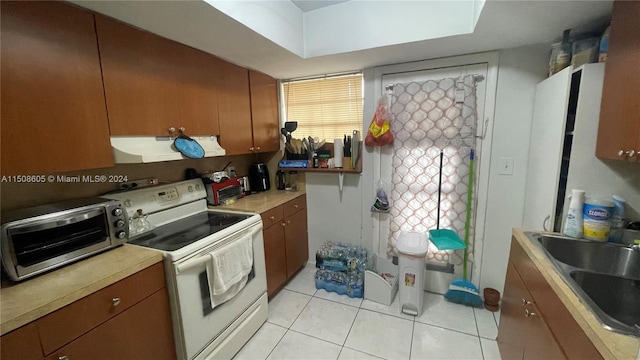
point(297, 243)
point(234, 109)
point(142, 332)
point(152, 83)
point(566, 331)
point(619, 127)
point(513, 325)
point(22, 343)
point(275, 257)
point(540, 343)
point(264, 112)
point(545, 151)
point(53, 111)
point(523, 333)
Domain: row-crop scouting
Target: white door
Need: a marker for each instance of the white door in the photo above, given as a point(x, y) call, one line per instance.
point(545, 154)
point(436, 281)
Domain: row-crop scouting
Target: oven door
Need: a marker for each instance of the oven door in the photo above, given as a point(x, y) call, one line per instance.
point(199, 323)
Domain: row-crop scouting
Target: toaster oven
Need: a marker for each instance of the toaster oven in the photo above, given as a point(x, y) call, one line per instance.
point(39, 239)
point(225, 190)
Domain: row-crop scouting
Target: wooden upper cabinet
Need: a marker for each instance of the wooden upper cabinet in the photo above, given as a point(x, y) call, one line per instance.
point(619, 128)
point(152, 83)
point(53, 110)
point(264, 112)
point(234, 108)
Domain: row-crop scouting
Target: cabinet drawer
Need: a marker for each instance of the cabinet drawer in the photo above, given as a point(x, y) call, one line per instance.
point(75, 319)
point(272, 216)
point(142, 332)
point(293, 206)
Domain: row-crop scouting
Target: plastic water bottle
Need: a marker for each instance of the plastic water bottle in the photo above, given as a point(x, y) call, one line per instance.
point(573, 223)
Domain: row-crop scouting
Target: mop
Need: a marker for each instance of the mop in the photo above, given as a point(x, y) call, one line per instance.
point(462, 291)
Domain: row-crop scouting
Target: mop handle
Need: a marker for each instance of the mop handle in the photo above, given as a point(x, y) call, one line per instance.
point(439, 189)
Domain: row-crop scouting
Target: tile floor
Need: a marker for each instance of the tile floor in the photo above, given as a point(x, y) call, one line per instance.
point(305, 323)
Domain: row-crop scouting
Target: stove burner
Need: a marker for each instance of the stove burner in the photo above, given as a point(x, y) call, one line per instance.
point(180, 233)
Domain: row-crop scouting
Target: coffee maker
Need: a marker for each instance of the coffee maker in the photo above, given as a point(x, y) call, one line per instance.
point(259, 177)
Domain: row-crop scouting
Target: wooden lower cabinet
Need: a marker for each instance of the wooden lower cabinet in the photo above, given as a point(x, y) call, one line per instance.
point(534, 324)
point(129, 319)
point(296, 241)
point(523, 333)
point(138, 333)
point(286, 243)
point(275, 257)
point(22, 343)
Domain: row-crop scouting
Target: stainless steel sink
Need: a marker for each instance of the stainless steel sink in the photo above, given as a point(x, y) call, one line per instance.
point(605, 258)
point(606, 277)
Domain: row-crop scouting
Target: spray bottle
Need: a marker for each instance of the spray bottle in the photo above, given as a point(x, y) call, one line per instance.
point(573, 223)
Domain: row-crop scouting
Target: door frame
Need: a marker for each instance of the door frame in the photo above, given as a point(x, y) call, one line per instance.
point(373, 157)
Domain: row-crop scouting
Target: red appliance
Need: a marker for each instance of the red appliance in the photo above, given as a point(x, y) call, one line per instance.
point(220, 192)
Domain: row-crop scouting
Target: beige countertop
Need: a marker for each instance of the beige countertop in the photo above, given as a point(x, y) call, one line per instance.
point(262, 201)
point(610, 344)
point(26, 301)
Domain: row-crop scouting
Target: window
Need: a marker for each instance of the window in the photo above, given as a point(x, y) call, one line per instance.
point(328, 107)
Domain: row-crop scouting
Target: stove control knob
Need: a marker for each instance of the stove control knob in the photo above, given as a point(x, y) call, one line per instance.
point(121, 234)
point(117, 212)
point(120, 223)
point(198, 187)
point(190, 188)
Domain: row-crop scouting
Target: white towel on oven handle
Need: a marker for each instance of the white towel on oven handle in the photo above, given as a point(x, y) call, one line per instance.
point(231, 292)
point(229, 268)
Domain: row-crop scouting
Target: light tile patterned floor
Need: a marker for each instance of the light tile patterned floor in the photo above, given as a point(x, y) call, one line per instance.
point(305, 323)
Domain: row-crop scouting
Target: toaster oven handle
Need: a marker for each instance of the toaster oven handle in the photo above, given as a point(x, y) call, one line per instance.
point(44, 224)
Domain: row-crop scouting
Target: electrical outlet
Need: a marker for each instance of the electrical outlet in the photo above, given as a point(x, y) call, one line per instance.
point(130, 185)
point(506, 166)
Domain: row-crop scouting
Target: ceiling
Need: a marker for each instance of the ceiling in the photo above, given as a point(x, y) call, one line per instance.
point(500, 24)
point(310, 5)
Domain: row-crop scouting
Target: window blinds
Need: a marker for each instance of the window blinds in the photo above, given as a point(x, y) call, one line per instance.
point(327, 108)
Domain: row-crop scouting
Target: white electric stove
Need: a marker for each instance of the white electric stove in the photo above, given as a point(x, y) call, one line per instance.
point(175, 220)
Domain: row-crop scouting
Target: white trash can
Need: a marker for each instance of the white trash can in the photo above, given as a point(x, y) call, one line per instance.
point(412, 249)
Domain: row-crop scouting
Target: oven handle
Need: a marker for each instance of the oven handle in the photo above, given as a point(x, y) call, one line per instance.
point(203, 259)
point(44, 224)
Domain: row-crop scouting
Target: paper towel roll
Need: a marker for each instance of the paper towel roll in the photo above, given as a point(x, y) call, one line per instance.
point(338, 152)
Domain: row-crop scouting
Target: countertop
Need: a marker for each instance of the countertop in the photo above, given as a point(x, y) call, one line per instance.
point(26, 301)
point(262, 201)
point(610, 344)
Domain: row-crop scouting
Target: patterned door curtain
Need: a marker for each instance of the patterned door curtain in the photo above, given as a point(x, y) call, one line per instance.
point(430, 117)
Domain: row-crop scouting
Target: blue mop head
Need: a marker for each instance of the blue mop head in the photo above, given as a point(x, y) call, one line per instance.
point(463, 292)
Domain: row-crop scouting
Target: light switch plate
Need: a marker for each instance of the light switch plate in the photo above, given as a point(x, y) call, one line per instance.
point(506, 166)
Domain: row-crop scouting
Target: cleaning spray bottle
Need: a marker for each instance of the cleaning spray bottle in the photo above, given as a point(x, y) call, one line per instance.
point(573, 222)
point(617, 219)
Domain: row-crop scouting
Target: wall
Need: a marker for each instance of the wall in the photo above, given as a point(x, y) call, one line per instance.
point(20, 195)
point(332, 218)
point(520, 70)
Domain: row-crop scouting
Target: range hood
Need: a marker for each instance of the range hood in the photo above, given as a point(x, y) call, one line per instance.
point(147, 149)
